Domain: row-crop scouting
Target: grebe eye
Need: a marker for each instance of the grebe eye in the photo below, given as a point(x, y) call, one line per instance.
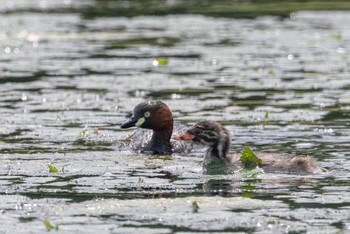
point(147, 114)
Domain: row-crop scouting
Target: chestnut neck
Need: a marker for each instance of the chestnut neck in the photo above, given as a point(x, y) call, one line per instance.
point(160, 141)
point(162, 127)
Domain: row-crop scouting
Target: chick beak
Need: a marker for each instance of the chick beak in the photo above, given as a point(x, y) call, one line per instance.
point(185, 136)
point(130, 123)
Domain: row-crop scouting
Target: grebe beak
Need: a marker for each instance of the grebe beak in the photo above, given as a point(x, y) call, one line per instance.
point(185, 136)
point(130, 123)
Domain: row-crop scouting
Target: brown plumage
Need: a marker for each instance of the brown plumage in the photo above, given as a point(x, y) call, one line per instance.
point(217, 138)
point(155, 116)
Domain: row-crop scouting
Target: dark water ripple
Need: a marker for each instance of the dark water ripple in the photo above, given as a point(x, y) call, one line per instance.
point(67, 82)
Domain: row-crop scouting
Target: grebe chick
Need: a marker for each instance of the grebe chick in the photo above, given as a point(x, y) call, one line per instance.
point(217, 138)
point(156, 116)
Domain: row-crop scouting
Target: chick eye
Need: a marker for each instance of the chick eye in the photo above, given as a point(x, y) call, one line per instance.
point(147, 114)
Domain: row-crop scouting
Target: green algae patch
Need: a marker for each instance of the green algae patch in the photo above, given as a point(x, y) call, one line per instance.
point(161, 61)
point(49, 226)
point(52, 169)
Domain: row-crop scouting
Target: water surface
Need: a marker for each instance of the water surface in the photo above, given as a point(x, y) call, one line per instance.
point(68, 82)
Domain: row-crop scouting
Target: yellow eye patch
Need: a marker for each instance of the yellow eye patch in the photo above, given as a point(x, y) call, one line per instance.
point(139, 122)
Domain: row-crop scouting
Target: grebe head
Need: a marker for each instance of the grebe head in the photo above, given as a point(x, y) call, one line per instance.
point(209, 133)
point(151, 114)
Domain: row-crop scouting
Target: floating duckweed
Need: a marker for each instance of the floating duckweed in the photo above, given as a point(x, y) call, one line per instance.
point(52, 169)
point(20, 22)
point(336, 36)
point(271, 73)
point(249, 159)
point(160, 61)
point(49, 226)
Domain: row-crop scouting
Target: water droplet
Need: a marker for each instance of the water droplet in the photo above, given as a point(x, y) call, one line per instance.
point(32, 37)
point(7, 50)
point(290, 57)
point(214, 61)
point(340, 50)
point(155, 63)
point(24, 97)
point(44, 100)
point(139, 93)
point(316, 36)
point(292, 16)
point(84, 133)
point(175, 96)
